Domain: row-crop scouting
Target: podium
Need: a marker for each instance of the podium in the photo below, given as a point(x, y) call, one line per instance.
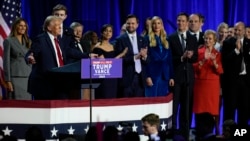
point(87, 73)
point(68, 78)
point(101, 68)
point(84, 74)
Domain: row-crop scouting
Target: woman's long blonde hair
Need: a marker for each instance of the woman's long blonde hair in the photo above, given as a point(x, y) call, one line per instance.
point(163, 34)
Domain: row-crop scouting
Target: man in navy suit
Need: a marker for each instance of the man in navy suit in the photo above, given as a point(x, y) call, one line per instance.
point(61, 11)
point(66, 36)
point(135, 60)
point(185, 52)
point(47, 52)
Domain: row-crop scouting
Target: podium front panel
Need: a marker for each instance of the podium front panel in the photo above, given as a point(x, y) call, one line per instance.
point(101, 68)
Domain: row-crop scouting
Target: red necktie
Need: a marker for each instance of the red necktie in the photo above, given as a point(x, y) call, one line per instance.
point(59, 55)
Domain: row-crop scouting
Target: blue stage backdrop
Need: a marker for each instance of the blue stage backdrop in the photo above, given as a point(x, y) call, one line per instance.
point(94, 13)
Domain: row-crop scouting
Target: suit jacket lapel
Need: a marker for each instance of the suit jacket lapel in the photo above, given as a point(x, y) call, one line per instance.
point(139, 42)
point(130, 46)
point(50, 45)
point(245, 43)
point(178, 42)
point(18, 45)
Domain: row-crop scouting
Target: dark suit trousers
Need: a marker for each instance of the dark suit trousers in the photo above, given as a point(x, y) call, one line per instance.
point(236, 97)
point(182, 102)
point(136, 88)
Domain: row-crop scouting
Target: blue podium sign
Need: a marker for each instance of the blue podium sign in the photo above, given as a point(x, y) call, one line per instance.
point(101, 68)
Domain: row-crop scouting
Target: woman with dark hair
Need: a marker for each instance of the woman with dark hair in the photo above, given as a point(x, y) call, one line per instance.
point(16, 71)
point(89, 40)
point(104, 49)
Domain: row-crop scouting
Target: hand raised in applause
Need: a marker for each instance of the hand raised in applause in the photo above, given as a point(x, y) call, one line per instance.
point(238, 44)
point(207, 55)
point(144, 53)
point(188, 54)
point(213, 56)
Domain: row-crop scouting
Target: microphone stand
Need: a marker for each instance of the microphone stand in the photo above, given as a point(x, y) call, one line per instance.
point(186, 84)
point(90, 87)
point(188, 97)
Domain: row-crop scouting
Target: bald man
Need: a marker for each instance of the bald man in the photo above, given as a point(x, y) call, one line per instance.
point(236, 61)
point(194, 26)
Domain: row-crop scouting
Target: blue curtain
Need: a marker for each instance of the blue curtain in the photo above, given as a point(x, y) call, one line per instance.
point(237, 10)
point(94, 13)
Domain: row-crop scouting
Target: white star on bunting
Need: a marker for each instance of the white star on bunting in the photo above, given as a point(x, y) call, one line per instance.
point(103, 127)
point(86, 129)
point(71, 130)
point(134, 127)
point(119, 128)
point(54, 132)
point(7, 131)
point(163, 126)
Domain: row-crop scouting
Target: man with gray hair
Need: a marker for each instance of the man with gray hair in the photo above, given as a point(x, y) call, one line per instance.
point(48, 52)
point(77, 44)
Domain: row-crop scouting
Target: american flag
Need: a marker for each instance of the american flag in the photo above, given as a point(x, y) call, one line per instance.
point(10, 10)
point(58, 118)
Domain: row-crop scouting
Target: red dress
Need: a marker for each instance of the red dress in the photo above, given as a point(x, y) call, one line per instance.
point(207, 83)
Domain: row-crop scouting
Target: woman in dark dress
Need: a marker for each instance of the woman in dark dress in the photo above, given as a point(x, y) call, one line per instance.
point(108, 86)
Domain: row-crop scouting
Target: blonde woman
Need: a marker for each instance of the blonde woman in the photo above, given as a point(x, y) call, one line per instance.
point(222, 33)
point(160, 69)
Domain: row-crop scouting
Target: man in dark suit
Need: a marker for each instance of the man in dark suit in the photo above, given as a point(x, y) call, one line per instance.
point(47, 52)
point(236, 60)
point(135, 60)
point(61, 11)
point(76, 41)
point(195, 24)
point(184, 51)
point(66, 36)
point(66, 33)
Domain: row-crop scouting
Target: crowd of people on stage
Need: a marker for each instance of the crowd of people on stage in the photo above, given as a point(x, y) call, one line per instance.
point(203, 70)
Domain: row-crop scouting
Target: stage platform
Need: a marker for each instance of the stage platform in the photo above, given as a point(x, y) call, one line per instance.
point(72, 117)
